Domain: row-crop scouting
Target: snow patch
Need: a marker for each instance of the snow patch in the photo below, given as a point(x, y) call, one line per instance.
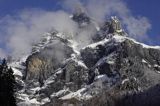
point(103, 81)
point(144, 61)
point(74, 46)
point(18, 66)
point(158, 72)
point(102, 78)
point(125, 80)
point(27, 101)
point(82, 64)
point(34, 101)
point(17, 72)
point(109, 59)
point(156, 66)
point(80, 95)
point(35, 89)
point(144, 45)
point(94, 45)
point(60, 92)
point(59, 71)
point(45, 100)
point(119, 38)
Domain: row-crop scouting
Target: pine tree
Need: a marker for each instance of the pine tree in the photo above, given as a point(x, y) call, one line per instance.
point(7, 88)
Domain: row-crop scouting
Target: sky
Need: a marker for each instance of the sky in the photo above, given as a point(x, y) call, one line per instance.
point(149, 9)
point(141, 16)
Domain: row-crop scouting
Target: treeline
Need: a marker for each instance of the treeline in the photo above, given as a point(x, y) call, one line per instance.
point(7, 85)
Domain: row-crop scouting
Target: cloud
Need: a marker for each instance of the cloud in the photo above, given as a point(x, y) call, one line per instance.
point(84, 36)
point(28, 27)
point(138, 27)
point(2, 53)
point(99, 10)
point(73, 5)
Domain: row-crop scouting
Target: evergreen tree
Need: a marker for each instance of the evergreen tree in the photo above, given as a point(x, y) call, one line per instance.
point(7, 82)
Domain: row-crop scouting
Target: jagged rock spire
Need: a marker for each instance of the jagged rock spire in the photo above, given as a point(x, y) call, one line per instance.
point(116, 24)
point(81, 17)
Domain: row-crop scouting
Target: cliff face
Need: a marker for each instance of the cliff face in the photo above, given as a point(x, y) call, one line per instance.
point(105, 72)
point(126, 58)
point(41, 64)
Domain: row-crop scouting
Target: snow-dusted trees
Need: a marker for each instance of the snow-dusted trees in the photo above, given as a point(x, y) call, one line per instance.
point(7, 85)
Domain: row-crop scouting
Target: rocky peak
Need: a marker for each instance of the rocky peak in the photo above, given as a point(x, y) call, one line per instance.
point(81, 18)
point(116, 25)
point(108, 28)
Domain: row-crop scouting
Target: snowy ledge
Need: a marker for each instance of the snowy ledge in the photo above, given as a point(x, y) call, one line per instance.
point(144, 45)
point(80, 95)
point(118, 38)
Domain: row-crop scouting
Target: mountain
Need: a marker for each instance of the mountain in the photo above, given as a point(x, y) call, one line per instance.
point(112, 70)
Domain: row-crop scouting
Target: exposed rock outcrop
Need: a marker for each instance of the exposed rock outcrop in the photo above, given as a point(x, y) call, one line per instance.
point(41, 65)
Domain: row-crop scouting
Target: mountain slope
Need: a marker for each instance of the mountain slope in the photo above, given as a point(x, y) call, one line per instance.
point(56, 73)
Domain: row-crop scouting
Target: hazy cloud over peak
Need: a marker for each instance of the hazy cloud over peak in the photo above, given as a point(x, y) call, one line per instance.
point(2, 53)
point(137, 27)
point(27, 26)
